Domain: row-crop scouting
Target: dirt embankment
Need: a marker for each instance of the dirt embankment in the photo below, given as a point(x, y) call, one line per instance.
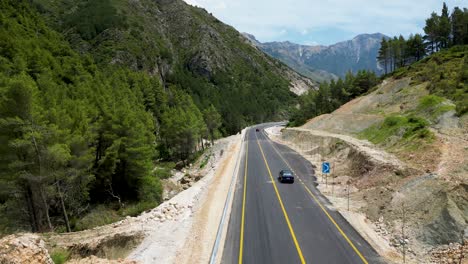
point(391, 204)
point(404, 198)
point(24, 248)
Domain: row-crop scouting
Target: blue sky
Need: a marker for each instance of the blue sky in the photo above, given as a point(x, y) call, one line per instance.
point(323, 22)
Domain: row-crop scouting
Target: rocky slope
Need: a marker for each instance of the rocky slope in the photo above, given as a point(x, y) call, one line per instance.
point(164, 37)
point(326, 62)
point(421, 185)
point(24, 248)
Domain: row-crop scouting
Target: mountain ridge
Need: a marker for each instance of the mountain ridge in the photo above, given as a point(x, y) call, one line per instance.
point(324, 63)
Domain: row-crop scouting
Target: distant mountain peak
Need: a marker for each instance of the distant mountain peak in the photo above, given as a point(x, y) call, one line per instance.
point(372, 35)
point(321, 62)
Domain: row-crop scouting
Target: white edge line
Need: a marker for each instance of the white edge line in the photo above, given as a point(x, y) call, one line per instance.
point(226, 204)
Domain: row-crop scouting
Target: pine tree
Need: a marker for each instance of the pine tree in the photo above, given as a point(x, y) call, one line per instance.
point(444, 28)
point(383, 54)
point(459, 19)
point(402, 53)
point(212, 120)
point(431, 30)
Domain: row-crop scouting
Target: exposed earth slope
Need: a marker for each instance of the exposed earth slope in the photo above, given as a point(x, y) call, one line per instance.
point(404, 155)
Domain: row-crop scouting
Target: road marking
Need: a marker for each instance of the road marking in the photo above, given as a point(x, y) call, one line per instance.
point(282, 206)
point(322, 207)
point(227, 203)
point(241, 243)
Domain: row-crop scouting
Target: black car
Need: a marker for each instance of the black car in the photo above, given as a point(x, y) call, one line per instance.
point(286, 176)
point(256, 130)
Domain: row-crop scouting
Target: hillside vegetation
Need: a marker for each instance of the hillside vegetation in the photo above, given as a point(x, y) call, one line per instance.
point(183, 46)
point(95, 94)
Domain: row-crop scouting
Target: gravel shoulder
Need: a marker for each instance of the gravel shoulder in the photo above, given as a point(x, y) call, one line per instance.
point(180, 230)
point(188, 235)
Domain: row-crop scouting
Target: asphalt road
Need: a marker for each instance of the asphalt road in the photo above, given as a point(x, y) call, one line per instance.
point(272, 222)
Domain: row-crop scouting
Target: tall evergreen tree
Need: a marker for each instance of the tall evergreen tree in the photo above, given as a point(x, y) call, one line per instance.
point(212, 120)
point(431, 29)
point(459, 19)
point(444, 28)
point(383, 54)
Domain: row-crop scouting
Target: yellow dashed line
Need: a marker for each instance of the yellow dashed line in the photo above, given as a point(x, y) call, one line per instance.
point(323, 208)
point(282, 206)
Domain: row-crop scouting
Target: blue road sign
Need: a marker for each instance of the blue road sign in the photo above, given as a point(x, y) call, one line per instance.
point(326, 167)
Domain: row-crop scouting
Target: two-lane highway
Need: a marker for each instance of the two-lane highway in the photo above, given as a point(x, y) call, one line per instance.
point(272, 222)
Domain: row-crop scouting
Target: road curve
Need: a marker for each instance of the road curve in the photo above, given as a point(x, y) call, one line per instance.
point(271, 222)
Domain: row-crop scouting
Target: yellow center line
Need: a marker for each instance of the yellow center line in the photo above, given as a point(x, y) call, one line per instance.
point(241, 243)
point(282, 206)
point(322, 207)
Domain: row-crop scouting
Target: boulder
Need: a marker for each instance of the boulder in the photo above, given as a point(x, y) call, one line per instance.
point(24, 248)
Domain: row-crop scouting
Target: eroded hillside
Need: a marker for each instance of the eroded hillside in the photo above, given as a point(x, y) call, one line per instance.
point(403, 150)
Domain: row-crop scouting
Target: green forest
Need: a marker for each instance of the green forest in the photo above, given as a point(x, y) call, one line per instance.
point(400, 57)
point(441, 32)
point(80, 137)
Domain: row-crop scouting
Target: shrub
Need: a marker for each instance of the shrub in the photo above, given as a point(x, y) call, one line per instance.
point(162, 173)
point(150, 189)
point(100, 215)
point(137, 208)
point(400, 126)
point(60, 255)
point(429, 101)
point(205, 161)
point(393, 121)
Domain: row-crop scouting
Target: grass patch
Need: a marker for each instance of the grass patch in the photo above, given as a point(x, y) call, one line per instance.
point(107, 214)
point(430, 101)
point(401, 127)
point(433, 106)
point(98, 216)
point(59, 255)
point(136, 209)
point(205, 161)
point(447, 74)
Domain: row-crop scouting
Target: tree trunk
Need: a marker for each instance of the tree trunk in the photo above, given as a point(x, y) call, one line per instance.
point(46, 208)
point(212, 137)
point(64, 210)
point(31, 209)
point(41, 190)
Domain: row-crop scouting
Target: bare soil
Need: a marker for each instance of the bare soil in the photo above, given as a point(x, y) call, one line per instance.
point(421, 192)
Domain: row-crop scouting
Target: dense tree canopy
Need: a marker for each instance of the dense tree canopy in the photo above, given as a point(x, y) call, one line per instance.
point(74, 132)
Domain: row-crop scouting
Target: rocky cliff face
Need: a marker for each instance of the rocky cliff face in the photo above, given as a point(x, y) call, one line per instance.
point(326, 62)
point(163, 37)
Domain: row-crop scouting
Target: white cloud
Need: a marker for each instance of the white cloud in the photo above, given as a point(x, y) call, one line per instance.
point(270, 20)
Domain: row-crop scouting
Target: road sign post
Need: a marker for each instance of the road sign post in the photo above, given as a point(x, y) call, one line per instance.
point(326, 171)
point(326, 167)
point(347, 187)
